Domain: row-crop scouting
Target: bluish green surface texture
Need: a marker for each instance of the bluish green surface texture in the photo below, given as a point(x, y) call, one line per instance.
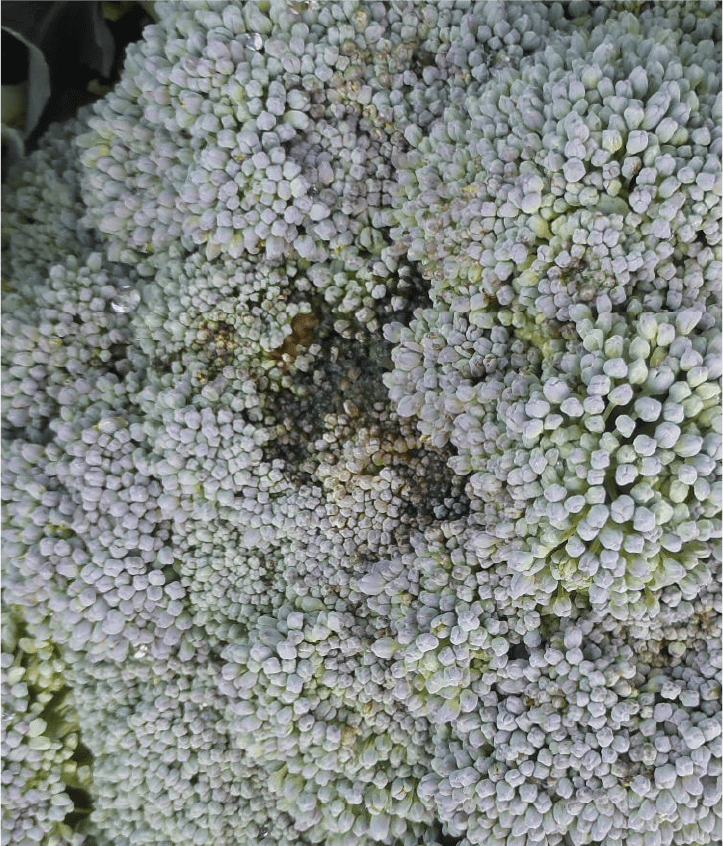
point(362, 433)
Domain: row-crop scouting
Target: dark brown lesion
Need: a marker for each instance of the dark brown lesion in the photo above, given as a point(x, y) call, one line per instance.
point(302, 334)
point(215, 345)
point(217, 333)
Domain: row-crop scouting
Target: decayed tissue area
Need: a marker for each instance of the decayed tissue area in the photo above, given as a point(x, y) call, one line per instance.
point(362, 433)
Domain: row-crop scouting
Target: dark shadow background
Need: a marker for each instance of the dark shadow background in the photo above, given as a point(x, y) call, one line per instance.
point(66, 54)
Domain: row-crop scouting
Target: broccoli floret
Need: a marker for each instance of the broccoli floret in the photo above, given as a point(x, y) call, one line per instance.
point(362, 433)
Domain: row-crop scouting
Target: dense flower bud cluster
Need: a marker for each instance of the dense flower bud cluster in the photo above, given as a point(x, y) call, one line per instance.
point(45, 767)
point(590, 168)
point(362, 434)
point(596, 458)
